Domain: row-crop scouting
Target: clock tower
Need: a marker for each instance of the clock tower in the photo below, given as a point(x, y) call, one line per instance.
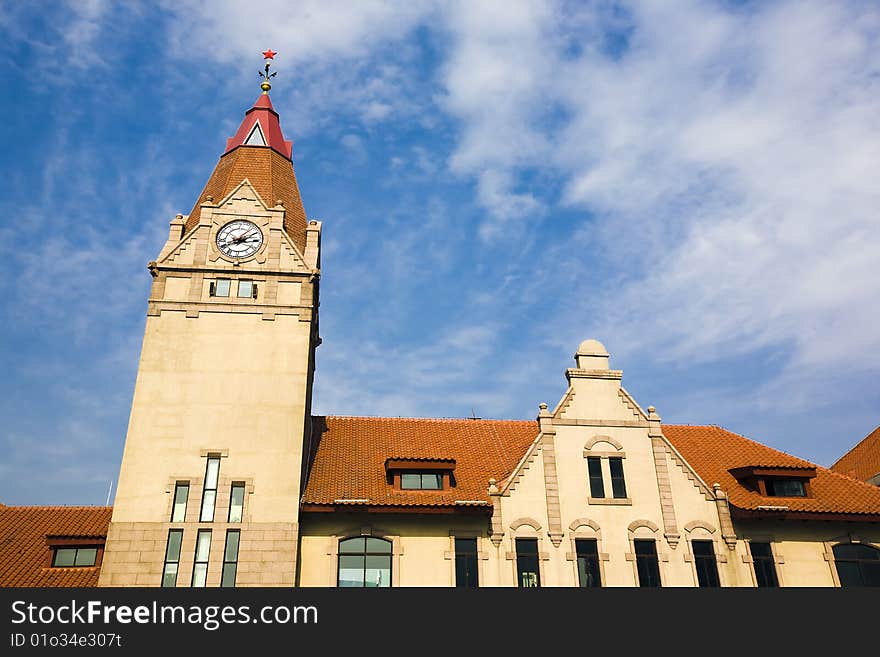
point(210, 483)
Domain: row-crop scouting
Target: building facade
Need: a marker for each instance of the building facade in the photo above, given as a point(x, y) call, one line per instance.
point(227, 479)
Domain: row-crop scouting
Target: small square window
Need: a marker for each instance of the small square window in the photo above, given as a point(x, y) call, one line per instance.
point(221, 287)
point(245, 289)
point(73, 557)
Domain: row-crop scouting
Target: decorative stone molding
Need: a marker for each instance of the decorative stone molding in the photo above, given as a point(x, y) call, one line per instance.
point(589, 529)
point(531, 522)
point(728, 533)
point(695, 479)
point(551, 489)
point(496, 528)
point(602, 439)
point(664, 488)
point(630, 403)
point(368, 530)
point(524, 463)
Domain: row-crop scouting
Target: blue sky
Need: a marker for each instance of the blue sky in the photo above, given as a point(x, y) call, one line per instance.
point(693, 183)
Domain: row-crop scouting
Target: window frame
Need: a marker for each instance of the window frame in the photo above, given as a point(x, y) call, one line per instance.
point(55, 549)
point(176, 562)
point(462, 555)
point(230, 562)
point(706, 565)
point(769, 564)
point(596, 477)
point(621, 478)
point(835, 560)
point(214, 288)
point(236, 485)
point(366, 553)
point(438, 476)
point(600, 450)
point(252, 293)
point(206, 489)
point(198, 562)
point(177, 487)
point(521, 557)
point(595, 558)
point(654, 562)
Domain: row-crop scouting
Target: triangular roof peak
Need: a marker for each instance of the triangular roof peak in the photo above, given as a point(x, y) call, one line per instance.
point(264, 114)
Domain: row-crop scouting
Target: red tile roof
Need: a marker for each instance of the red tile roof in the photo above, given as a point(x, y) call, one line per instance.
point(862, 461)
point(712, 451)
point(349, 458)
point(25, 553)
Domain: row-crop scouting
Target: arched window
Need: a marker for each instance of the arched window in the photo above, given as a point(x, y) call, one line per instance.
point(857, 565)
point(364, 561)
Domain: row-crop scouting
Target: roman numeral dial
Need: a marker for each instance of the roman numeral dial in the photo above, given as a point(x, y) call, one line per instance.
point(239, 239)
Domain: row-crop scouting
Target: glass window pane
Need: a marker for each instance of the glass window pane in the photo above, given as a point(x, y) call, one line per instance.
point(594, 467)
point(172, 551)
point(378, 571)
point(236, 503)
point(527, 546)
point(245, 288)
point(222, 287)
point(169, 575)
point(586, 547)
point(211, 472)
point(379, 545)
point(432, 481)
point(178, 512)
point(230, 553)
point(86, 557)
point(465, 546)
point(618, 484)
point(848, 573)
point(466, 570)
point(64, 557)
point(357, 545)
point(871, 573)
point(759, 550)
point(410, 481)
point(228, 578)
point(208, 506)
point(646, 563)
point(786, 488)
point(351, 570)
point(200, 574)
point(703, 549)
point(528, 573)
point(203, 545)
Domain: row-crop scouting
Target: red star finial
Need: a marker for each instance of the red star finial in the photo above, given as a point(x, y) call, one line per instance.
point(269, 54)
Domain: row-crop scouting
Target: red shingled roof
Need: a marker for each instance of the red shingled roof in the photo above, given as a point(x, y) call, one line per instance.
point(862, 461)
point(712, 452)
point(24, 551)
point(349, 458)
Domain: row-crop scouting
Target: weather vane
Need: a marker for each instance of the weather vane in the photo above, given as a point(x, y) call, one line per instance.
point(265, 85)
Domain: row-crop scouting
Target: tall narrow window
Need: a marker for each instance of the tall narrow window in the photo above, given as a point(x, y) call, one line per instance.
point(704, 560)
point(203, 551)
point(764, 564)
point(364, 561)
point(209, 494)
point(588, 562)
point(181, 494)
point(466, 563)
point(646, 562)
point(618, 485)
point(230, 558)
point(236, 502)
point(172, 557)
point(857, 565)
point(527, 570)
point(594, 468)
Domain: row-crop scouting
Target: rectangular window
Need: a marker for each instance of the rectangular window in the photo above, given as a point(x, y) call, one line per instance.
point(618, 485)
point(466, 575)
point(203, 551)
point(74, 557)
point(172, 557)
point(704, 560)
point(220, 287)
point(764, 564)
point(236, 502)
point(245, 288)
point(181, 494)
point(209, 494)
point(647, 564)
point(527, 570)
point(588, 562)
point(786, 488)
point(230, 558)
point(594, 468)
point(421, 481)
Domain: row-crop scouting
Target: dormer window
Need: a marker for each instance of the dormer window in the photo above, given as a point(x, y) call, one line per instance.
point(421, 481)
point(428, 474)
point(786, 487)
point(775, 481)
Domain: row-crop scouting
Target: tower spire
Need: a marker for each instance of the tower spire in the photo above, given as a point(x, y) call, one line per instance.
point(268, 57)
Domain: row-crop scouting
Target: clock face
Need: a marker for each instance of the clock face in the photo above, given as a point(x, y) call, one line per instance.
point(239, 239)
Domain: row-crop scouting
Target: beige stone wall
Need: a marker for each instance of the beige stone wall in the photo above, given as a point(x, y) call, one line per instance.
point(223, 376)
